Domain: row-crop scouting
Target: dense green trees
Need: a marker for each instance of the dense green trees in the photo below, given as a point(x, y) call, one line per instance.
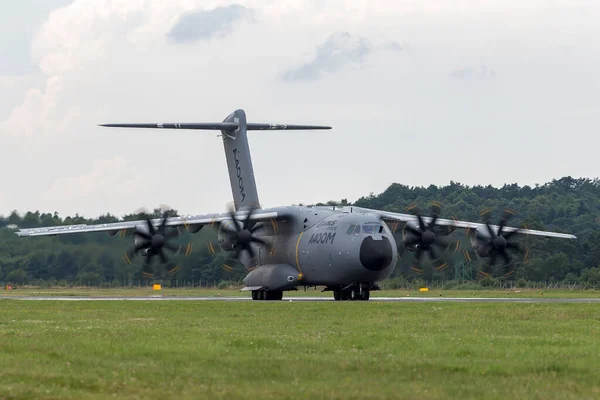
point(567, 205)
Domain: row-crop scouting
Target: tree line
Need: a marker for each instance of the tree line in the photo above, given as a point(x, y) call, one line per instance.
point(570, 205)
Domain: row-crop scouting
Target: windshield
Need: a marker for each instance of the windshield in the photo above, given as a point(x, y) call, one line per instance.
point(368, 229)
point(372, 229)
point(353, 229)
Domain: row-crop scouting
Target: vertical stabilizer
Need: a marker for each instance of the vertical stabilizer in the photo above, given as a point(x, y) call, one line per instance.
point(237, 151)
point(239, 163)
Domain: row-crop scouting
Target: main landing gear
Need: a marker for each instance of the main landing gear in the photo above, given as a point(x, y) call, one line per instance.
point(358, 292)
point(267, 294)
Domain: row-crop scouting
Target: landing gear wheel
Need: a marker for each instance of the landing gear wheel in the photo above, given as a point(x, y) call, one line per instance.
point(345, 295)
point(366, 294)
point(255, 295)
point(274, 295)
point(337, 295)
point(260, 295)
point(355, 294)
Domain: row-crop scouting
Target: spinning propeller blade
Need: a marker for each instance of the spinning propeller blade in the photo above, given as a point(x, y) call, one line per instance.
point(154, 242)
point(241, 238)
point(498, 246)
point(427, 237)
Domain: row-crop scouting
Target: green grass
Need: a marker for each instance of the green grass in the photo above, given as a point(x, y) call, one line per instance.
point(213, 292)
point(288, 350)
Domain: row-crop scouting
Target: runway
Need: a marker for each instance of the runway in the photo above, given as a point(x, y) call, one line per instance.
point(311, 299)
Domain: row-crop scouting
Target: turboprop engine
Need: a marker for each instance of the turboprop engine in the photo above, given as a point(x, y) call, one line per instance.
point(238, 236)
point(138, 242)
point(226, 240)
point(151, 242)
point(481, 242)
point(493, 242)
point(421, 236)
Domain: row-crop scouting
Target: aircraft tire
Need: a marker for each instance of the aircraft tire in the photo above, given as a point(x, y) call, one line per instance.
point(274, 295)
point(366, 294)
point(337, 295)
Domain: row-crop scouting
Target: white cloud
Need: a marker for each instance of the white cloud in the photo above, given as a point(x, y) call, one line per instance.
point(340, 50)
point(109, 182)
point(40, 113)
point(112, 61)
point(203, 25)
point(18, 22)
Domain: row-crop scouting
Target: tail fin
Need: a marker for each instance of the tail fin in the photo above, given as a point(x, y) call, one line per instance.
point(239, 163)
point(237, 152)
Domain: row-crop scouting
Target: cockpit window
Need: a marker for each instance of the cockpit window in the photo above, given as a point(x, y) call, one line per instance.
point(357, 230)
point(350, 229)
point(372, 228)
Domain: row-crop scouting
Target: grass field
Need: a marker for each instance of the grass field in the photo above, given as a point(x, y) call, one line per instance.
point(288, 350)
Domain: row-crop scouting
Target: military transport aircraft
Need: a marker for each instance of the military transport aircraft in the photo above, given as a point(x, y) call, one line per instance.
point(347, 250)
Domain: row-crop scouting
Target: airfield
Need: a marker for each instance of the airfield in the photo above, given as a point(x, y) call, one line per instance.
point(186, 343)
point(311, 299)
point(526, 295)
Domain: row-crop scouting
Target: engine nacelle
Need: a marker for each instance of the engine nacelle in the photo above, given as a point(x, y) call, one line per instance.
point(227, 242)
point(408, 236)
point(137, 239)
point(481, 242)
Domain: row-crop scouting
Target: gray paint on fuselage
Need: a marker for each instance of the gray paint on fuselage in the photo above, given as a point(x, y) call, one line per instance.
point(315, 242)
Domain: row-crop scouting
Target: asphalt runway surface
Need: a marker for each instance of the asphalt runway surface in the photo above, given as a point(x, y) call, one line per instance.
point(311, 299)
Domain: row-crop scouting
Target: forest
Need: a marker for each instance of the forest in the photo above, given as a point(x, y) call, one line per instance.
point(569, 205)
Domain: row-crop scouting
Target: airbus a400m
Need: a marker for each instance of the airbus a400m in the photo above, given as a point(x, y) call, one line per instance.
point(347, 250)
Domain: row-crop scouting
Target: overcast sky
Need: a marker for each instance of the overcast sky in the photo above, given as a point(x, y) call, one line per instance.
point(418, 92)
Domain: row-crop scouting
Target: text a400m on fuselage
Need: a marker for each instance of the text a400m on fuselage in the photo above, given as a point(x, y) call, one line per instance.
point(338, 247)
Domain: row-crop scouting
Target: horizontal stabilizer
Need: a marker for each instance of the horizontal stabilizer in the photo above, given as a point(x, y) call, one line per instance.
point(219, 126)
point(280, 127)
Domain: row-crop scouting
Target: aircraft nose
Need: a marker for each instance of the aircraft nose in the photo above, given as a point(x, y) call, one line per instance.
point(376, 255)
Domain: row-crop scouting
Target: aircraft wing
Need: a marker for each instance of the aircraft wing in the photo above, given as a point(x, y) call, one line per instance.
point(403, 218)
point(194, 222)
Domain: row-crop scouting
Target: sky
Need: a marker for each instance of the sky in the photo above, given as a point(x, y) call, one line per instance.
point(417, 92)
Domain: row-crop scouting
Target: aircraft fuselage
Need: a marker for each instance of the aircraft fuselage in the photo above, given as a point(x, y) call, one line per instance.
point(329, 247)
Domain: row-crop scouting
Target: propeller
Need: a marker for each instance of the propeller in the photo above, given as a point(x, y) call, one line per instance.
point(499, 246)
point(238, 239)
point(499, 241)
point(426, 237)
point(154, 242)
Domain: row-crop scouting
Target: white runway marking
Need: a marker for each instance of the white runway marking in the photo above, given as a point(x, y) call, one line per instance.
point(309, 299)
